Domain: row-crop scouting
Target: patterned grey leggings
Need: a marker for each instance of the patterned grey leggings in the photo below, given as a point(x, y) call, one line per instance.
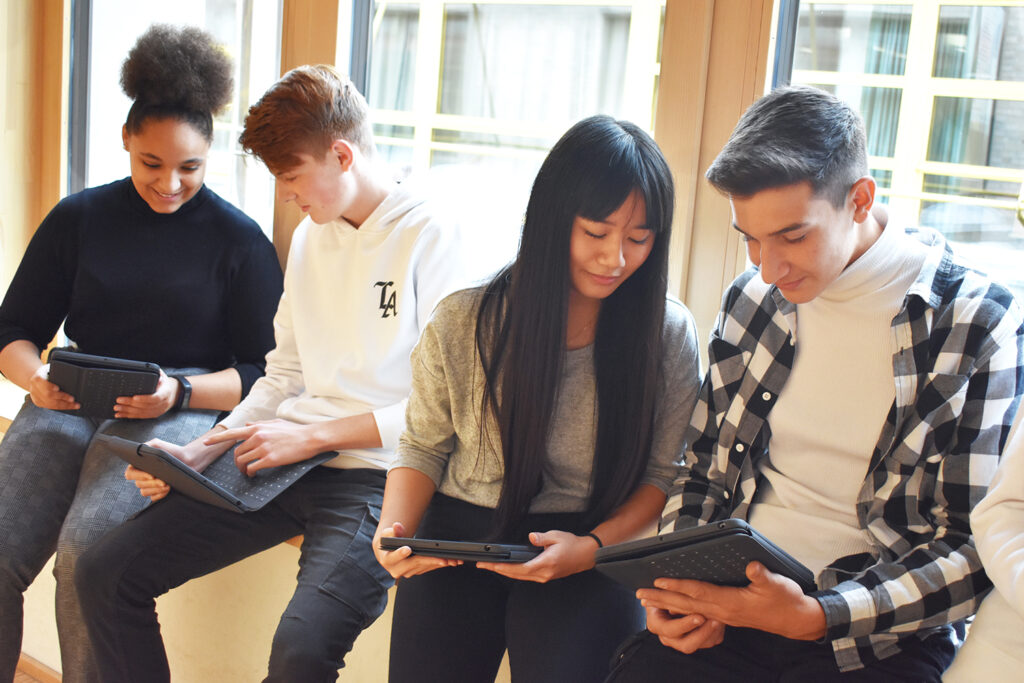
point(61, 492)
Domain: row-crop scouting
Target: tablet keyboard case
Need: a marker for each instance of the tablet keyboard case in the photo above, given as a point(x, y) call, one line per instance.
point(221, 483)
point(720, 560)
point(96, 389)
point(256, 491)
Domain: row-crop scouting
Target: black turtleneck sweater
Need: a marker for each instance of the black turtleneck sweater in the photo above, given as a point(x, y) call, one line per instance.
point(194, 288)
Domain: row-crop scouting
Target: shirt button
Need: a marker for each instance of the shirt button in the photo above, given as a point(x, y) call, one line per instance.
point(767, 395)
point(739, 448)
point(725, 494)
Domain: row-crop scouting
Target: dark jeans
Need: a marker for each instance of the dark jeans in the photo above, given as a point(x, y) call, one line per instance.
point(747, 655)
point(341, 588)
point(61, 490)
point(455, 624)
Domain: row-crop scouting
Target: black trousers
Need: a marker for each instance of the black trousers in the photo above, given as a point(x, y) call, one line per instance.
point(747, 656)
point(455, 624)
point(340, 588)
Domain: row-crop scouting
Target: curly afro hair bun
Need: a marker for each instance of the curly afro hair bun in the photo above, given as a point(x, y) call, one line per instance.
point(176, 71)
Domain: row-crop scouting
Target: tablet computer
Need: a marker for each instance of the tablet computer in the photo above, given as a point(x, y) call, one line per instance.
point(463, 550)
point(716, 553)
point(97, 381)
point(221, 483)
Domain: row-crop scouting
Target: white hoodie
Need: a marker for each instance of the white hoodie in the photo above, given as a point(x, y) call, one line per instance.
point(353, 306)
point(994, 650)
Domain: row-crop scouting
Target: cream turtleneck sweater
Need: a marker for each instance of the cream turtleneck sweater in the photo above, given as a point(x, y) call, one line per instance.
point(827, 420)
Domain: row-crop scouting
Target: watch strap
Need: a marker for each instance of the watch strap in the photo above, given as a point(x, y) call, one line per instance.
point(185, 396)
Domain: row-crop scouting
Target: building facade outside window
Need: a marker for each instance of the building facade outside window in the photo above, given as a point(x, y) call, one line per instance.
point(941, 88)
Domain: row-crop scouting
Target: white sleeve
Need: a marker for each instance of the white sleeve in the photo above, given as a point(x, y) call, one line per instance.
point(440, 269)
point(390, 423)
point(998, 522)
point(283, 378)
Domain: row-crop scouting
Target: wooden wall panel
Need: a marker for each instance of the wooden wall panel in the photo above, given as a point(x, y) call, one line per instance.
point(33, 80)
point(713, 66)
point(309, 35)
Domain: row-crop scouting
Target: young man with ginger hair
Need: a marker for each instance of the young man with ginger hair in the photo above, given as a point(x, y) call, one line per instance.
point(364, 271)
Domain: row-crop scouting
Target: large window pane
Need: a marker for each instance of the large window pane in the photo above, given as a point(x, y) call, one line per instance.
point(981, 43)
point(945, 121)
point(981, 132)
point(986, 133)
point(537, 63)
point(508, 71)
point(393, 63)
point(869, 39)
point(470, 96)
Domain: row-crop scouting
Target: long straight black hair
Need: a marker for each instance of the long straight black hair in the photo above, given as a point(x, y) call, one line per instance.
point(521, 324)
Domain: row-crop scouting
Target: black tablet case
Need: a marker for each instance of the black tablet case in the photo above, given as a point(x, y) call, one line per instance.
point(221, 483)
point(97, 381)
point(716, 553)
point(463, 550)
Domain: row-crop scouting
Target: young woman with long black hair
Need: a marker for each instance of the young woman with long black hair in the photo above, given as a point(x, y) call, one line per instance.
point(548, 407)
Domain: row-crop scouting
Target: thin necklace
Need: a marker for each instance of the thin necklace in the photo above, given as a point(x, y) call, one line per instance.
point(580, 337)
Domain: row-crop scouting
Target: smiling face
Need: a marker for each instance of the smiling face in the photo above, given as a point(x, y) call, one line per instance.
point(802, 242)
point(604, 253)
point(168, 162)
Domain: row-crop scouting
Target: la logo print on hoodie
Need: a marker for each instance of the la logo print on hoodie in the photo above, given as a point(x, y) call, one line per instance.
point(388, 301)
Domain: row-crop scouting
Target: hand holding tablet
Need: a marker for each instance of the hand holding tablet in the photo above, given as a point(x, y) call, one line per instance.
point(96, 382)
point(716, 553)
point(462, 550)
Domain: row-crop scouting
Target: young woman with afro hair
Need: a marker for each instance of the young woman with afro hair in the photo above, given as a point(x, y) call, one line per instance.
point(154, 267)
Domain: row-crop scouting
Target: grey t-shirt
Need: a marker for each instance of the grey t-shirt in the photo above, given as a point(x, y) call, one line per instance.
point(444, 440)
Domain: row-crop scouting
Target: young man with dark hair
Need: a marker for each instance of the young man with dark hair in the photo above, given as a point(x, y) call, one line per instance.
point(861, 386)
point(364, 271)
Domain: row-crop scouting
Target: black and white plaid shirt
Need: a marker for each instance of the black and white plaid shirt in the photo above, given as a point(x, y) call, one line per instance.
point(957, 366)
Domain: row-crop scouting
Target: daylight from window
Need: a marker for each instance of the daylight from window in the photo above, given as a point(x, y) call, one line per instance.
point(473, 95)
point(941, 90)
